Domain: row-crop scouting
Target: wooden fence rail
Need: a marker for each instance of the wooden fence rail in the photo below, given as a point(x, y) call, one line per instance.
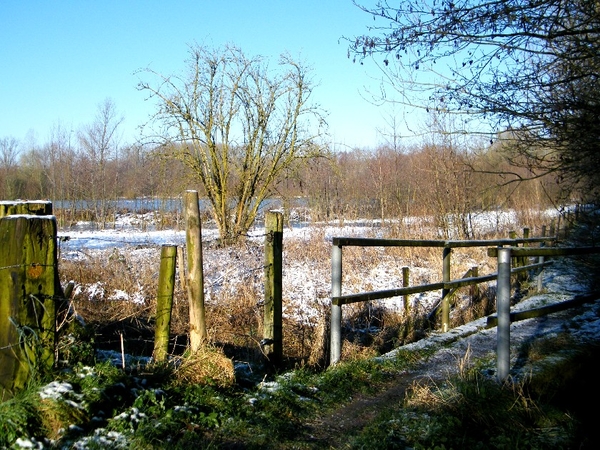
point(446, 285)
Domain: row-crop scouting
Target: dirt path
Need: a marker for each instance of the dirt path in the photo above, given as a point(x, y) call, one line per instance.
point(458, 347)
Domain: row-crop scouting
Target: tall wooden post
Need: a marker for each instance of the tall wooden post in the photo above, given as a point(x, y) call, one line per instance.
point(336, 309)
point(446, 292)
point(272, 326)
point(164, 301)
point(503, 311)
point(195, 284)
point(29, 287)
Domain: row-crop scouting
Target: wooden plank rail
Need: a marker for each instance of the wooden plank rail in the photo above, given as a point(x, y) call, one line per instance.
point(469, 281)
point(373, 242)
point(546, 251)
point(579, 300)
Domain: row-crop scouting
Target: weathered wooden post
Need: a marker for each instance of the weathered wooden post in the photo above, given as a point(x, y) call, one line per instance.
point(540, 277)
point(34, 208)
point(29, 287)
point(406, 297)
point(195, 284)
point(164, 301)
point(474, 288)
point(336, 309)
point(523, 260)
point(503, 312)
point(272, 325)
point(446, 292)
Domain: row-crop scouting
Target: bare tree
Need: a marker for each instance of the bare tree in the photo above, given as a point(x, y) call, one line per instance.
point(9, 152)
point(240, 126)
point(100, 144)
point(531, 67)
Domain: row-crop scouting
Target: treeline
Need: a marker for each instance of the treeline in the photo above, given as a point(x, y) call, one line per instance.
point(440, 180)
point(437, 181)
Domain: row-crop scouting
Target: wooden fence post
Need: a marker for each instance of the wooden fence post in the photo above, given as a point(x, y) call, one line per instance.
point(34, 208)
point(474, 288)
point(523, 261)
point(29, 288)
point(193, 235)
point(446, 292)
point(406, 283)
point(272, 326)
point(336, 310)
point(164, 301)
point(503, 311)
point(540, 277)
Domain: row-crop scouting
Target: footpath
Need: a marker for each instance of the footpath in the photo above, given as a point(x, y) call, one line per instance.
point(458, 348)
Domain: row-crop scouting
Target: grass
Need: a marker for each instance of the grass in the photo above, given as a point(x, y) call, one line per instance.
point(155, 406)
point(546, 410)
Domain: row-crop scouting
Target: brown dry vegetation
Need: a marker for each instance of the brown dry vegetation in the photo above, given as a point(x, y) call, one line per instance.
point(234, 304)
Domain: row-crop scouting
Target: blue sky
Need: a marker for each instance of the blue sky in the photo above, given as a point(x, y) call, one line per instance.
point(60, 59)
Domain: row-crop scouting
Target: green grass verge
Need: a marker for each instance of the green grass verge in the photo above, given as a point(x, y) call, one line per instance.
point(102, 406)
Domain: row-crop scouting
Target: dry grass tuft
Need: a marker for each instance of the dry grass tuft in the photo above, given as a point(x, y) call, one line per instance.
point(206, 366)
point(56, 416)
point(423, 394)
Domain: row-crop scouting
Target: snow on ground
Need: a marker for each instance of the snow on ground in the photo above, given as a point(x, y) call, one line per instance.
point(306, 282)
point(562, 282)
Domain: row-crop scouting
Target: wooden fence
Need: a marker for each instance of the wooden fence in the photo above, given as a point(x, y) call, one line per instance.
point(30, 291)
point(505, 257)
point(446, 285)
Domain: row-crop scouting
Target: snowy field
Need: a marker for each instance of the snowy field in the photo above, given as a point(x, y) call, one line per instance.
point(306, 268)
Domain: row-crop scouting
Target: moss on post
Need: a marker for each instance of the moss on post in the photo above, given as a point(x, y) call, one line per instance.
point(164, 301)
point(37, 208)
point(29, 287)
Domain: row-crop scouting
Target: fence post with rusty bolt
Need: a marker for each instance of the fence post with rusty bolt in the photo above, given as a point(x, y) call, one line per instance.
point(272, 343)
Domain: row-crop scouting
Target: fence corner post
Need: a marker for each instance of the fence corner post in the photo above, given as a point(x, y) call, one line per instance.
point(503, 312)
point(273, 309)
point(336, 309)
